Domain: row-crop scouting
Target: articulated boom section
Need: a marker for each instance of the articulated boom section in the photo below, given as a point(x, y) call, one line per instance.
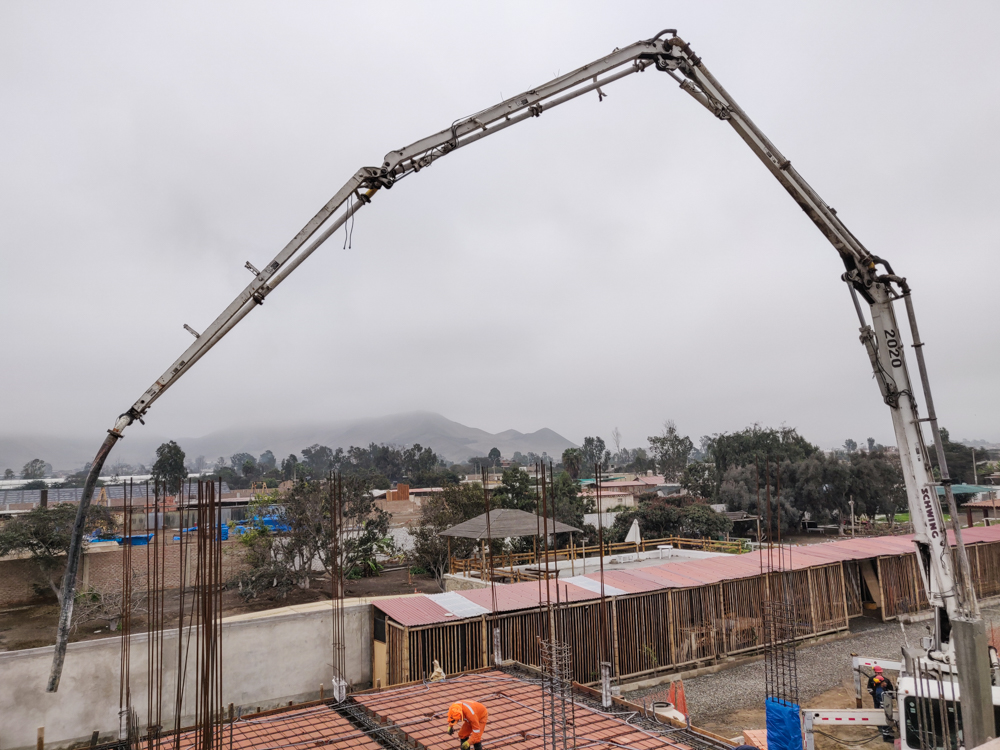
point(882, 338)
point(931, 538)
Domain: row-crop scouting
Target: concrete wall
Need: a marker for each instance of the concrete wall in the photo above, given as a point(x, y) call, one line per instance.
point(269, 658)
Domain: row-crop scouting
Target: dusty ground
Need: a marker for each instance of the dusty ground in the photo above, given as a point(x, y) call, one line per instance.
point(732, 700)
point(34, 625)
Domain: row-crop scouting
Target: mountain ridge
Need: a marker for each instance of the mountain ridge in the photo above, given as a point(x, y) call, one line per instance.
point(452, 440)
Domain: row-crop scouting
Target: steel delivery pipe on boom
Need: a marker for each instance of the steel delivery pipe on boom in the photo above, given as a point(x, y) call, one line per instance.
point(868, 276)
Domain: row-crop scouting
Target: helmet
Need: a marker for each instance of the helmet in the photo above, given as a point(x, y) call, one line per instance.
point(455, 714)
point(878, 669)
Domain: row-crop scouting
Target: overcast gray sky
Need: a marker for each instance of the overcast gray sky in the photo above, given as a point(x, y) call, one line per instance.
point(614, 263)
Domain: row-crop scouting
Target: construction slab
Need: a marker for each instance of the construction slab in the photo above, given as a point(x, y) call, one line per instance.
point(514, 707)
point(314, 726)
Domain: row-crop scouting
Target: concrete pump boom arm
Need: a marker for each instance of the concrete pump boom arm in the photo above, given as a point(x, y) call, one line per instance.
point(354, 195)
point(882, 338)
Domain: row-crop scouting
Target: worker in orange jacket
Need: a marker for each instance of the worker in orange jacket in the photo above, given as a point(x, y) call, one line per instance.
point(471, 717)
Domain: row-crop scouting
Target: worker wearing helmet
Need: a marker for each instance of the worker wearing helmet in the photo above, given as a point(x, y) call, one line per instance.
point(470, 718)
point(878, 684)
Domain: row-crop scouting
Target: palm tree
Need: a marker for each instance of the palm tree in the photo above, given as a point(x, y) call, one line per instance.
point(571, 459)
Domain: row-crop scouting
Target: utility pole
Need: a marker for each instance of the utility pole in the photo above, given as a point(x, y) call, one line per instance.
point(851, 503)
point(975, 474)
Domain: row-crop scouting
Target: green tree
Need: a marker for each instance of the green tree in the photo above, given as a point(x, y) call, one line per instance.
point(700, 521)
point(35, 484)
point(266, 462)
point(288, 466)
point(958, 457)
point(671, 451)
point(168, 469)
point(756, 444)
point(77, 479)
point(876, 484)
point(516, 490)
point(818, 485)
point(318, 460)
point(34, 469)
point(568, 504)
point(699, 479)
point(850, 446)
point(572, 461)
point(494, 454)
point(8, 474)
point(276, 561)
point(639, 461)
point(265, 566)
point(239, 461)
point(659, 517)
point(591, 454)
point(741, 487)
point(366, 535)
point(456, 504)
point(44, 534)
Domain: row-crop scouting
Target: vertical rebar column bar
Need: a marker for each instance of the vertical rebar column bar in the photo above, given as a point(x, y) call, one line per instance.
point(494, 630)
point(336, 493)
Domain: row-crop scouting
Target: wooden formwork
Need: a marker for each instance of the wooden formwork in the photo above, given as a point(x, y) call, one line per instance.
point(580, 627)
point(398, 668)
point(741, 614)
point(902, 587)
point(987, 558)
point(852, 586)
point(828, 598)
point(693, 616)
point(644, 649)
point(519, 635)
point(458, 646)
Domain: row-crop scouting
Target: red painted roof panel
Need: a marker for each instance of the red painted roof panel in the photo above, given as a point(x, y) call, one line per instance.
point(414, 610)
point(525, 595)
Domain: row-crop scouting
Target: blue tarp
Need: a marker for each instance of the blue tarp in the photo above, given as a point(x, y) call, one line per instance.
point(272, 523)
point(784, 729)
point(136, 540)
point(223, 532)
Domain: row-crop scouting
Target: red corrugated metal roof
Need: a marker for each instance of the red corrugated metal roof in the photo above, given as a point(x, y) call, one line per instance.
point(627, 580)
point(525, 595)
point(414, 610)
point(668, 576)
point(978, 534)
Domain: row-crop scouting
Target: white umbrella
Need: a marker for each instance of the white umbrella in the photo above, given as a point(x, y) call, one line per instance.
point(633, 533)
